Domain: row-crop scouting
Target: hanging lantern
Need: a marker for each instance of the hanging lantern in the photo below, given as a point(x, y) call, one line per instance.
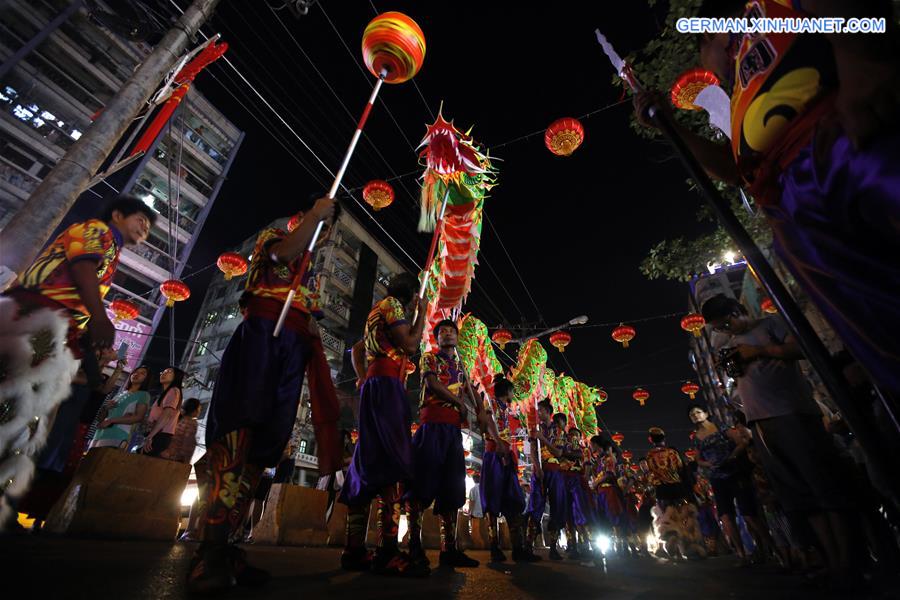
point(124, 310)
point(691, 453)
point(602, 397)
point(560, 339)
point(174, 290)
point(502, 337)
point(354, 436)
point(618, 438)
point(767, 306)
point(641, 395)
point(693, 323)
point(627, 455)
point(378, 194)
point(231, 264)
point(564, 136)
point(689, 85)
point(623, 334)
point(413, 428)
point(690, 388)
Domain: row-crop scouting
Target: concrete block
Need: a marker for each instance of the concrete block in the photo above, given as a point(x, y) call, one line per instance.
point(114, 494)
point(295, 516)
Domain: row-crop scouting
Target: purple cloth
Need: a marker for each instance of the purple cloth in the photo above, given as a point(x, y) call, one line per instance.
point(258, 388)
point(499, 487)
point(536, 502)
point(611, 503)
point(555, 489)
point(707, 519)
point(383, 454)
point(836, 228)
point(580, 511)
point(439, 467)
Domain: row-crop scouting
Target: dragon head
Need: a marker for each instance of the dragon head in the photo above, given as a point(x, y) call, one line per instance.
point(449, 152)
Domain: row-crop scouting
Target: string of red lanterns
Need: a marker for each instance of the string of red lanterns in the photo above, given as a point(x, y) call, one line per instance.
point(623, 334)
point(693, 323)
point(124, 310)
point(231, 264)
point(378, 194)
point(690, 388)
point(174, 291)
point(564, 136)
point(641, 395)
point(560, 340)
point(502, 337)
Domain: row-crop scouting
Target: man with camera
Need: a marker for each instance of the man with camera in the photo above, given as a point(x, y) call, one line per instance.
point(799, 456)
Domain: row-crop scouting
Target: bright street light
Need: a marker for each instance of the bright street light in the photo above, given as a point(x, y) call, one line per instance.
point(579, 320)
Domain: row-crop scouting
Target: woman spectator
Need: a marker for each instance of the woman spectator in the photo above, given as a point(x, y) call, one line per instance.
point(723, 453)
point(127, 410)
point(184, 441)
point(164, 412)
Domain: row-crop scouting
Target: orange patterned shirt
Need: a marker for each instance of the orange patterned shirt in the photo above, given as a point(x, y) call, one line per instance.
point(267, 278)
point(49, 275)
point(384, 315)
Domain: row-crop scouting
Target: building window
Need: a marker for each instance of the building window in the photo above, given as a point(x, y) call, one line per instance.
point(302, 448)
point(223, 341)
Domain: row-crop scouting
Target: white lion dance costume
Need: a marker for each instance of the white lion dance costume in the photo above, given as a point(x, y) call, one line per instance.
point(36, 370)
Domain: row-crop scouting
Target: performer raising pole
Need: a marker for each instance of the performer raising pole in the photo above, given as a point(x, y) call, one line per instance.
point(393, 50)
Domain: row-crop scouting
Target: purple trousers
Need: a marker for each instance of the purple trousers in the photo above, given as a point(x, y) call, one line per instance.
point(580, 512)
point(258, 388)
point(536, 501)
point(555, 489)
point(836, 229)
point(499, 487)
point(383, 454)
point(439, 468)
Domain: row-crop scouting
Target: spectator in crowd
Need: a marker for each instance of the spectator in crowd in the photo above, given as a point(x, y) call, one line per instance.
point(164, 412)
point(799, 456)
point(723, 455)
point(126, 410)
point(184, 439)
point(474, 498)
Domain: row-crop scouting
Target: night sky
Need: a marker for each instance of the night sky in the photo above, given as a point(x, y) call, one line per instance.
point(576, 228)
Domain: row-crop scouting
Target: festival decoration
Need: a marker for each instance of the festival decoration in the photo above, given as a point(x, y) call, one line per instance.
point(502, 337)
point(124, 310)
point(393, 42)
point(527, 377)
point(693, 323)
point(601, 397)
point(477, 354)
point(618, 438)
point(767, 306)
point(354, 436)
point(641, 395)
point(413, 428)
point(587, 400)
point(174, 291)
point(690, 388)
point(635, 468)
point(393, 50)
point(293, 223)
point(470, 471)
point(410, 367)
point(689, 85)
point(627, 455)
point(560, 340)
point(691, 453)
point(564, 136)
point(623, 334)
point(231, 264)
point(378, 194)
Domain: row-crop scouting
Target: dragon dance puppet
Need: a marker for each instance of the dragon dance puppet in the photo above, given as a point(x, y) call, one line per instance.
point(458, 172)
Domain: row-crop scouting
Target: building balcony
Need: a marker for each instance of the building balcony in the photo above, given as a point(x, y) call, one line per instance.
point(307, 461)
point(334, 346)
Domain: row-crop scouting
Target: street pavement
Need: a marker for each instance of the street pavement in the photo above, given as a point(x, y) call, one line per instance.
point(54, 568)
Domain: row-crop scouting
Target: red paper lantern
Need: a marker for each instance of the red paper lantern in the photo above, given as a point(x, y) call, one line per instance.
point(564, 136)
point(767, 306)
point(693, 323)
point(627, 455)
point(174, 290)
point(691, 453)
point(618, 438)
point(641, 395)
point(690, 388)
point(502, 337)
point(354, 436)
point(124, 310)
point(561, 339)
point(378, 194)
point(231, 264)
point(623, 334)
point(602, 396)
point(689, 85)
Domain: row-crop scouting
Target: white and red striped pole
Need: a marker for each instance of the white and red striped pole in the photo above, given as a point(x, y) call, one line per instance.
point(307, 254)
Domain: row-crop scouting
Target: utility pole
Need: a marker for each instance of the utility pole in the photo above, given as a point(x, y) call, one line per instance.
point(31, 227)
